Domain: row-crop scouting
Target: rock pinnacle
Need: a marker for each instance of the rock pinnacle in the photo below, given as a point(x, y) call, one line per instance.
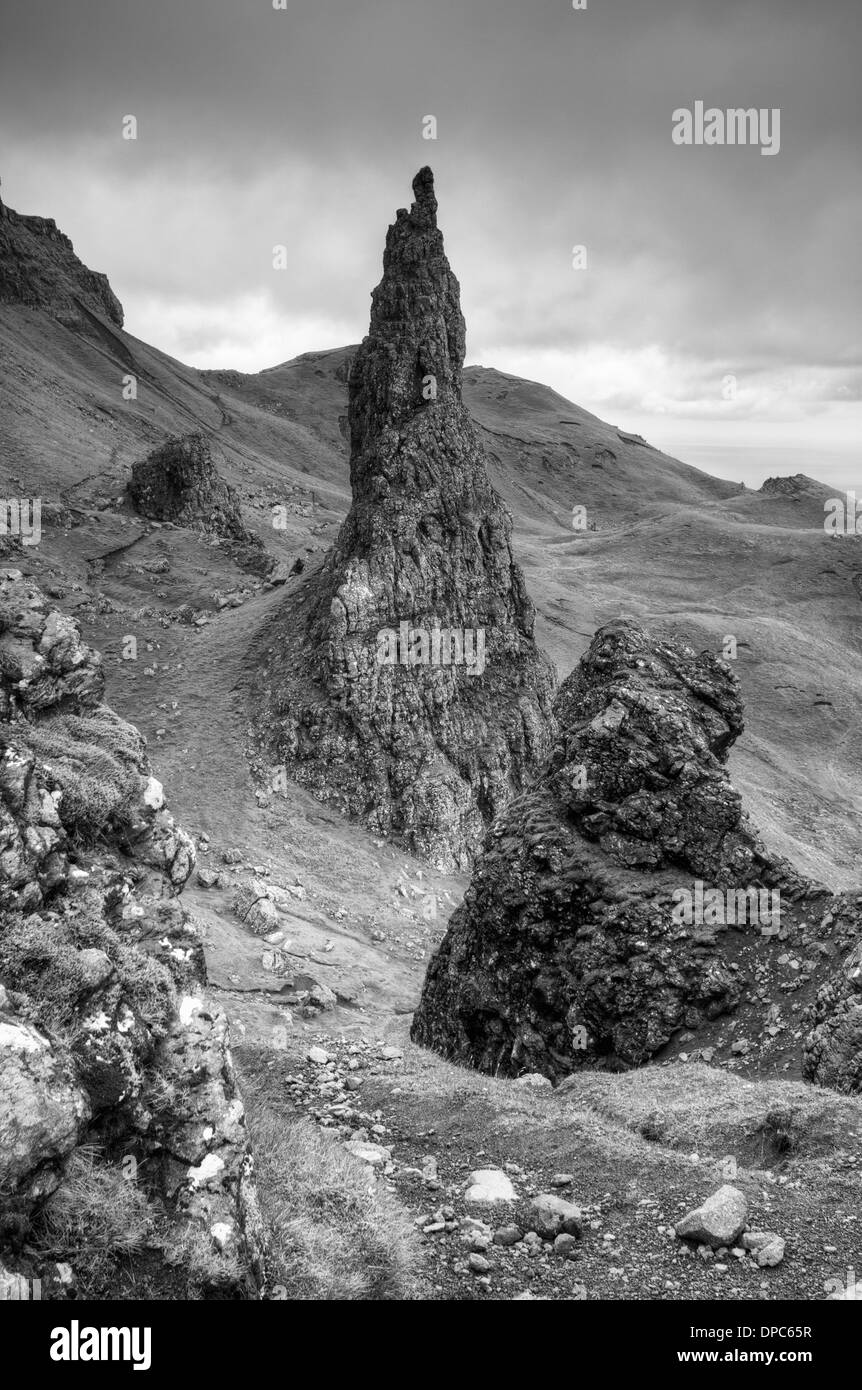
point(406, 688)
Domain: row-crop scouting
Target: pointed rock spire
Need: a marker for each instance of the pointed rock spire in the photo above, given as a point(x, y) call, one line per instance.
point(407, 688)
point(414, 352)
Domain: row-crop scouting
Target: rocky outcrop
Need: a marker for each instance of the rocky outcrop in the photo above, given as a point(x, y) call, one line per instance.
point(71, 767)
point(179, 482)
point(565, 948)
point(833, 1046)
point(580, 940)
point(403, 682)
point(794, 486)
point(720, 1221)
point(108, 1040)
point(45, 1109)
point(39, 268)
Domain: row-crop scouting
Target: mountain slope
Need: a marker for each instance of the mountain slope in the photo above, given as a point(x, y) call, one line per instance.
point(357, 917)
point(684, 552)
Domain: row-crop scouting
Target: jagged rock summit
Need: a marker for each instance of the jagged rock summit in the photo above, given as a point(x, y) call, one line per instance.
point(404, 683)
point(580, 940)
point(39, 268)
point(793, 485)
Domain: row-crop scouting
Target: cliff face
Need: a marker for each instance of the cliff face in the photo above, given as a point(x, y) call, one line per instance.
point(833, 1044)
point(39, 268)
point(407, 687)
point(108, 1042)
point(601, 916)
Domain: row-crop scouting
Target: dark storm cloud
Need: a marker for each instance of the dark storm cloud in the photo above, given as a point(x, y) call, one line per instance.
point(303, 128)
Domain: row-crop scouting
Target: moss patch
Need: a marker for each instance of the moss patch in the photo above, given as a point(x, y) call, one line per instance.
point(96, 760)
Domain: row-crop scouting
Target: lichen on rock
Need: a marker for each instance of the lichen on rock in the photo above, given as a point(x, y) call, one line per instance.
point(97, 958)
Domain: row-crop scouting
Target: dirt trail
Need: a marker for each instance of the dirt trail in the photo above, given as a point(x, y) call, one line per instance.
point(364, 915)
point(439, 1123)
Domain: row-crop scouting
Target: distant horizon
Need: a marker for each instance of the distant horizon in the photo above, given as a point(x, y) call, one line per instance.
point(742, 462)
point(835, 471)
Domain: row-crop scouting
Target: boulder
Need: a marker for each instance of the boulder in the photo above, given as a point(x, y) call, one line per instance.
point(594, 928)
point(375, 1155)
point(719, 1221)
point(569, 946)
point(179, 482)
point(43, 1111)
point(566, 1246)
point(770, 1254)
point(488, 1185)
point(550, 1216)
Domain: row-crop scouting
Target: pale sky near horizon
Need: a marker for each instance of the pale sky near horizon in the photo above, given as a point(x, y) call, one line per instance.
point(303, 127)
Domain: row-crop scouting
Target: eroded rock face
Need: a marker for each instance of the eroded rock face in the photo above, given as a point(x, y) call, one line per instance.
point(39, 268)
point(833, 1047)
point(180, 482)
point(69, 765)
point(791, 486)
point(405, 686)
point(107, 1035)
point(566, 949)
point(580, 941)
point(42, 1108)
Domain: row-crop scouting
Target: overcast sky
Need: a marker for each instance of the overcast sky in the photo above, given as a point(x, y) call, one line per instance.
point(303, 127)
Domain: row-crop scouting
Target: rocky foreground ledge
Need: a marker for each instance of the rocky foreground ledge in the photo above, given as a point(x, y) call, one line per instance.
point(117, 1095)
point(603, 917)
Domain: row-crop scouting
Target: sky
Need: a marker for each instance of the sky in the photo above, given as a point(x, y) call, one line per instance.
point(718, 309)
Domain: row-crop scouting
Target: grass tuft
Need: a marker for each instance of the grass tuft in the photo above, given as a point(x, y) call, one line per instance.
point(39, 955)
point(96, 1217)
point(332, 1232)
point(96, 761)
